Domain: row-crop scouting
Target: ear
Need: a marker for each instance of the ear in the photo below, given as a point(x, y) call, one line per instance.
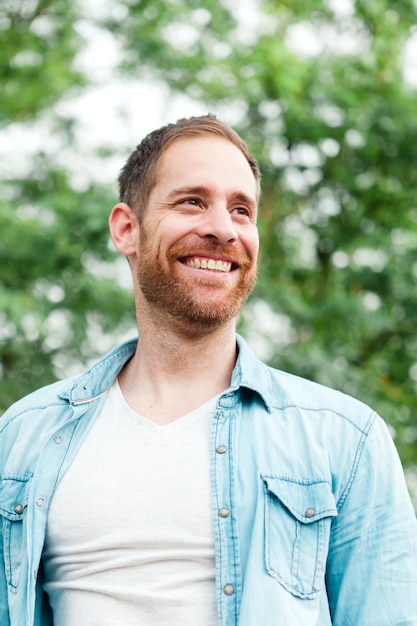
point(124, 229)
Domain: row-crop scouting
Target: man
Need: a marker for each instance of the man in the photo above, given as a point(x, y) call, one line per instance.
point(180, 481)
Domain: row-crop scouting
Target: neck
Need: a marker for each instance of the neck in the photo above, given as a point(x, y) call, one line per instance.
point(175, 370)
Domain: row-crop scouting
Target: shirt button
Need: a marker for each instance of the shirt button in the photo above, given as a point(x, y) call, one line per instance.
point(224, 512)
point(40, 502)
point(58, 440)
point(310, 512)
point(221, 449)
point(18, 509)
point(228, 590)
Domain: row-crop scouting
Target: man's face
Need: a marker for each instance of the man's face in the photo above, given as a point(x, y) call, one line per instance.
point(198, 241)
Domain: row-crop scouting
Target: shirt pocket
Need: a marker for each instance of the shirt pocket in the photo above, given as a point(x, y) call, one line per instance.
point(13, 504)
point(298, 516)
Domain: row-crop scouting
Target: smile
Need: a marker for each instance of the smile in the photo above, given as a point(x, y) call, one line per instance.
point(208, 264)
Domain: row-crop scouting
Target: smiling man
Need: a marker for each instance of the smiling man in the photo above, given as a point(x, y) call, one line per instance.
point(180, 481)
point(194, 257)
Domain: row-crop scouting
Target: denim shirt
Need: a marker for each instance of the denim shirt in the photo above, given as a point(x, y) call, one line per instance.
point(312, 521)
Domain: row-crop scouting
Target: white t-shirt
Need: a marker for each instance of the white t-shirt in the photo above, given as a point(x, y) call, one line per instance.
point(129, 537)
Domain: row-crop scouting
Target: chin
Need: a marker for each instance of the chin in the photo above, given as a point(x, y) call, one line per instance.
point(197, 328)
point(200, 319)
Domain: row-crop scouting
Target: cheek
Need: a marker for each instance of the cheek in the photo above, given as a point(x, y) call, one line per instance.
point(252, 245)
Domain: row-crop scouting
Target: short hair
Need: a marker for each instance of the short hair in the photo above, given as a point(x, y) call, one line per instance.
point(138, 176)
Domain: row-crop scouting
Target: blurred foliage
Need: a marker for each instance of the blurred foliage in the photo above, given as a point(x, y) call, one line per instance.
point(38, 46)
point(317, 89)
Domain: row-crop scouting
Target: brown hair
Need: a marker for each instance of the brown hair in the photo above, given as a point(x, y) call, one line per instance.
point(138, 176)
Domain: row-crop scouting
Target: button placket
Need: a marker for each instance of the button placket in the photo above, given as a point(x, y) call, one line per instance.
point(225, 533)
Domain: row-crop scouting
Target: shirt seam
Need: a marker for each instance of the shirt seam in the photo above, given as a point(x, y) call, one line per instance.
point(321, 409)
point(356, 460)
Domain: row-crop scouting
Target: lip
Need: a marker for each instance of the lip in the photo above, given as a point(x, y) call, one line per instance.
point(210, 257)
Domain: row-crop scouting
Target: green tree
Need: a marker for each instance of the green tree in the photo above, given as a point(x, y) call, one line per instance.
point(321, 98)
point(334, 130)
point(56, 290)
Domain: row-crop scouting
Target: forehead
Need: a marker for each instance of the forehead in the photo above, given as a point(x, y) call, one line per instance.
point(205, 160)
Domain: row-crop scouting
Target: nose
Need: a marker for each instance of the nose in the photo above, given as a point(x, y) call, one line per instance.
point(217, 222)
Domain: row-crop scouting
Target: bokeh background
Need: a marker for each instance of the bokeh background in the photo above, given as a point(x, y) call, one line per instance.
point(324, 92)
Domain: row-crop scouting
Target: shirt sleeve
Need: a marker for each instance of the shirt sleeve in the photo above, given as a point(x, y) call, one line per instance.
point(371, 573)
point(4, 603)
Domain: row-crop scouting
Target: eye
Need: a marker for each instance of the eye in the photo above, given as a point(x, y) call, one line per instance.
point(190, 202)
point(241, 210)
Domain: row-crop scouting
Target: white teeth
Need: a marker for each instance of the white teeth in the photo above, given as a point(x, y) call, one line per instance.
point(210, 264)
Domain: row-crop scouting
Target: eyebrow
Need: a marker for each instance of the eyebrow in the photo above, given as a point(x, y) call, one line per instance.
point(204, 190)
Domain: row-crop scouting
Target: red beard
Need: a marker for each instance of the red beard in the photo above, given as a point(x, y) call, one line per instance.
point(197, 302)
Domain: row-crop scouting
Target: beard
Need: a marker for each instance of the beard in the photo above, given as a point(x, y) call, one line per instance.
point(199, 303)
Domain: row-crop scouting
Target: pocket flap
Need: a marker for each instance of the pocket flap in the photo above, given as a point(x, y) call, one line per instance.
point(13, 495)
point(307, 500)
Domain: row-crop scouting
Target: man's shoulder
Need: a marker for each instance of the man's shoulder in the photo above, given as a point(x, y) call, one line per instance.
point(52, 395)
point(80, 387)
point(284, 391)
point(292, 392)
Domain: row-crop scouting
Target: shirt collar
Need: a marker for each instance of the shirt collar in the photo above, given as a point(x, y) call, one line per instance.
point(248, 372)
point(99, 378)
point(251, 373)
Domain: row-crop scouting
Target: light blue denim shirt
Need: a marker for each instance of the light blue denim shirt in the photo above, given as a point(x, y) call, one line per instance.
point(312, 521)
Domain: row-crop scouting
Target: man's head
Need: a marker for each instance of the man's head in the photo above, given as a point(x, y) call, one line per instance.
point(139, 175)
point(187, 223)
